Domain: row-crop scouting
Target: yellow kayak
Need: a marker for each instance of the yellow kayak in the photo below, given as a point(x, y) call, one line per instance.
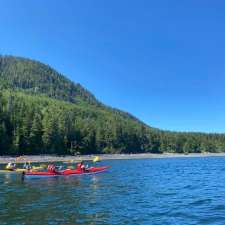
point(33, 168)
point(20, 170)
point(14, 171)
point(38, 167)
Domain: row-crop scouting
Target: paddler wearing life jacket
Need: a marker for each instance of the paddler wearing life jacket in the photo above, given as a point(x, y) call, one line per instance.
point(52, 168)
point(27, 166)
point(10, 166)
point(81, 166)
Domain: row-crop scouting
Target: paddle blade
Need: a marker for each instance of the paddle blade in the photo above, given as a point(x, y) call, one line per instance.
point(96, 159)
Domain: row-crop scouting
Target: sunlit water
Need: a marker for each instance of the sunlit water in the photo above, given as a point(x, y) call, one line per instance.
point(154, 191)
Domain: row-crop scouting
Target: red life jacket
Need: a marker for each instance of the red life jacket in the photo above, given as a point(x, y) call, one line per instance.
point(51, 168)
point(79, 166)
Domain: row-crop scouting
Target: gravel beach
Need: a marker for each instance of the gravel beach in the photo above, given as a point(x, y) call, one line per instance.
point(68, 158)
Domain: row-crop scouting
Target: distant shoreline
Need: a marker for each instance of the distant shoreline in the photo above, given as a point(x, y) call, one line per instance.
point(51, 158)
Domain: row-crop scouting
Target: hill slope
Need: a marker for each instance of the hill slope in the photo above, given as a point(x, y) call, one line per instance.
point(41, 111)
point(33, 76)
point(18, 73)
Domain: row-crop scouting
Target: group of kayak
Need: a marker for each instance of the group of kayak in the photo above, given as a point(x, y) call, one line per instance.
point(29, 171)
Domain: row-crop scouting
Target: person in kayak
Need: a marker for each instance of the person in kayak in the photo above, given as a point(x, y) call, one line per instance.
point(11, 166)
point(81, 166)
point(52, 168)
point(27, 166)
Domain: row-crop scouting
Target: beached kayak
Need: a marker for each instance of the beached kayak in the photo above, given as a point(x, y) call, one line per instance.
point(67, 172)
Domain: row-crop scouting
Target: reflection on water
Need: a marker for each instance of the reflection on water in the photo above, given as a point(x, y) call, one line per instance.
point(95, 182)
point(156, 191)
point(8, 178)
point(53, 181)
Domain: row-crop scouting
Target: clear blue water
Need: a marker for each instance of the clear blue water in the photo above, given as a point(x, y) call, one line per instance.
point(154, 191)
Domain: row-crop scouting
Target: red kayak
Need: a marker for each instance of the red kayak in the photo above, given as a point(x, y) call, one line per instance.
point(67, 172)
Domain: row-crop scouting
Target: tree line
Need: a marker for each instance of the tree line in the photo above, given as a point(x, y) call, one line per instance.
point(36, 124)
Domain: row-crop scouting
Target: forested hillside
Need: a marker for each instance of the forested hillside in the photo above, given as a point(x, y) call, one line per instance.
point(35, 77)
point(42, 112)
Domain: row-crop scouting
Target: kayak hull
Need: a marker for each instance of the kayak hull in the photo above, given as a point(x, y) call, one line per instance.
point(38, 167)
point(67, 172)
point(14, 171)
point(18, 170)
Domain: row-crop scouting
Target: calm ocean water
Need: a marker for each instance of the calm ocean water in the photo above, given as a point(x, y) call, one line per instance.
point(154, 191)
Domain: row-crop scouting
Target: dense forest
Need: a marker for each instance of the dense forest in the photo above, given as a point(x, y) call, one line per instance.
point(42, 112)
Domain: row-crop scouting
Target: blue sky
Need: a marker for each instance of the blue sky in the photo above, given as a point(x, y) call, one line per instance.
point(163, 61)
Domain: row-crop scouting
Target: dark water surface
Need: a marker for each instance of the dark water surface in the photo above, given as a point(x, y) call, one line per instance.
point(154, 191)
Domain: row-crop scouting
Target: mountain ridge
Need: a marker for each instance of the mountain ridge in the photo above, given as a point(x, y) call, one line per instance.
point(75, 91)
